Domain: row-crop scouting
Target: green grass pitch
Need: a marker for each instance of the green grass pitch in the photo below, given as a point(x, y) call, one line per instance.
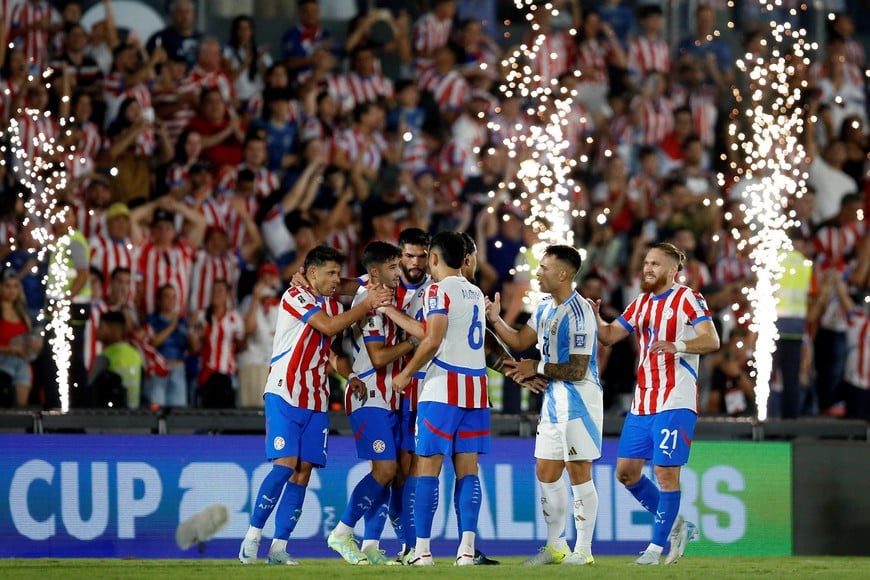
point(709, 568)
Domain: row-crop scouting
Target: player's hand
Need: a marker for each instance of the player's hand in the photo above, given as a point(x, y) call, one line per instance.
point(663, 346)
point(493, 307)
point(400, 382)
point(537, 384)
point(379, 296)
point(521, 370)
point(300, 280)
point(358, 388)
point(595, 304)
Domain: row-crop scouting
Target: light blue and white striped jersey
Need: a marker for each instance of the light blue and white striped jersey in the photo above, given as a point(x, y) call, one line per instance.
point(566, 329)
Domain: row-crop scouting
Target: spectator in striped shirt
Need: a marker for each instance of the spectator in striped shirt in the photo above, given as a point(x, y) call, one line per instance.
point(432, 30)
point(31, 25)
point(649, 51)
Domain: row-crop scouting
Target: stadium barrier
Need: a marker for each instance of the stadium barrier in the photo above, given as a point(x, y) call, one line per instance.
point(125, 495)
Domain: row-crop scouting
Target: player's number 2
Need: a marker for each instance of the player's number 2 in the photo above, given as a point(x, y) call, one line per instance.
point(475, 331)
point(668, 434)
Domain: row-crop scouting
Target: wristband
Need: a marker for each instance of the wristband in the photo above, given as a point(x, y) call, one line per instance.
point(541, 365)
point(351, 377)
point(415, 342)
point(680, 345)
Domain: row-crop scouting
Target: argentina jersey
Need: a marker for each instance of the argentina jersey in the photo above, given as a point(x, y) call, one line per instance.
point(563, 330)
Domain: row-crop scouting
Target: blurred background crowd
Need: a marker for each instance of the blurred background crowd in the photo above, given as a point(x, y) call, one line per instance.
point(202, 166)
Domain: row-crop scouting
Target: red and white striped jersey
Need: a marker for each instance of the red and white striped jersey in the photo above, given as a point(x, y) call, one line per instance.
point(115, 92)
point(177, 175)
point(837, 243)
point(367, 89)
point(852, 73)
point(352, 143)
point(411, 299)
point(38, 134)
point(450, 91)
point(646, 56)
point(144, 145)
point(219, 212)
point(108, 254)
point(205, 270)
point(555, 55)
point(157, 266)
point(90, 221)
point(731, 269)
point(219, 342)
point(265, 181)
point(644, 188)
point(35, 43)
point(703, 101)
point(430, 33)
point(451, 157)
point(92, 346)
point(592, 57)
point(218, 79)
point(178, 120)
point(92, 141)
point(414, 154)
point(657, 119)
point(665, 381)
point(345, 241)
point(300, 353)
point(457, 374)
point(857, 371)
point(375, 327)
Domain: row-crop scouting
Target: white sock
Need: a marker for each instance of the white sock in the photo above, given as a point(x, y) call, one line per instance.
point(554, 503)
point(585, 514)
point(466, 544)
point(254, 533)
point(342, 529)
point(278, 545)
point(655, 548)
point(422, 547)
point(366, 544)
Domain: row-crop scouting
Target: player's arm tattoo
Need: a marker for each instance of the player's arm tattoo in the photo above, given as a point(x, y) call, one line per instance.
point(573, 370)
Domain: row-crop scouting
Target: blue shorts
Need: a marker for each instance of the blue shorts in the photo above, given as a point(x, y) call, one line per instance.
point(295, 432)
point(664, 437)
point(409, 420)
point(376, 432)
point(443, 429)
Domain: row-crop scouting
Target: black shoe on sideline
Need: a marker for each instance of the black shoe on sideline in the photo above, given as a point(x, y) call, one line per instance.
point(480, 559)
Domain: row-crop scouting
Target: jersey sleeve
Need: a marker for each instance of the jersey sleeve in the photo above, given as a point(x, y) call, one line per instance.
point(373, 327)
point(436, 302)
point(628, 319)
point(695, 308)
point(300, 304)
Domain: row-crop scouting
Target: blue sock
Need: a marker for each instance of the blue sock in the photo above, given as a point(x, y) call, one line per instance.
point(366, 494)
point(668, 508)
point(469, 503)
point(396, 512)
point(289, 510)
point(457, 502)
point(409, 495)
point(270, 491)
point(426, 502)
point(645, 492)
point(375, 519)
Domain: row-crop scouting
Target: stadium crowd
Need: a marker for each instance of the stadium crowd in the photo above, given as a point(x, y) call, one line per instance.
point(200, 173)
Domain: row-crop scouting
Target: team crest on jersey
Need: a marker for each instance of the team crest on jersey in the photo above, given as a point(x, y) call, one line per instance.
point(379, 446)
point(553, 327)
point(668, 313)
point(580, 340)
point(278, 443)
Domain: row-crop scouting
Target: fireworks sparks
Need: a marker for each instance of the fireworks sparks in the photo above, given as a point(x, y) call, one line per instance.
point(772, 172)
point(542, 152)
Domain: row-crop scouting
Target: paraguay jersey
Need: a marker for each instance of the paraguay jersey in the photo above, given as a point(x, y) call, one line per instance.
point(375, 327)
point(563, 330)
point(665, 381)
point(300, 353)
point(411, 304)
point(858, 354)
point(457, 374)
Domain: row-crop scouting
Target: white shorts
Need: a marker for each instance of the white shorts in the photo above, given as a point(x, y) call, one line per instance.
point(570, 441)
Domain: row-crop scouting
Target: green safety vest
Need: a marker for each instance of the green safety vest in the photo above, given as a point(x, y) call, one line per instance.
point(125, 360)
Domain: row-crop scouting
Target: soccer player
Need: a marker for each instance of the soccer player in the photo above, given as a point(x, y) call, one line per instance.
point(453, 413)
point(673, 327)
point(379, 346)
point(297, 396)
point(572, 415)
